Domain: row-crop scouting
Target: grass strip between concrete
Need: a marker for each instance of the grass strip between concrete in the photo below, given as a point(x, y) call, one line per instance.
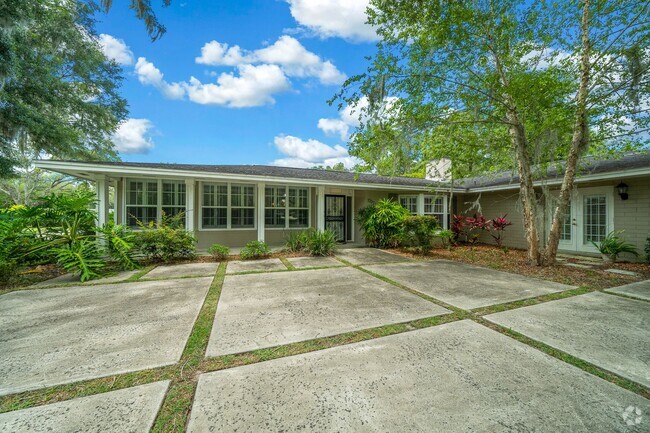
point(175, 410)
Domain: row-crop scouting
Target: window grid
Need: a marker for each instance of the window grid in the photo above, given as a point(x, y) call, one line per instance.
point(242, 206)
point(173, 198)
point(214, 206)
point(286, 207)
point(565, 232)
point(434, 206)
point(410, 202)
point(595, 218)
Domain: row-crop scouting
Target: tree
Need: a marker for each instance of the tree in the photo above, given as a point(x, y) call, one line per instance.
point(546, 83)
point(58, 92)
point(144, 12)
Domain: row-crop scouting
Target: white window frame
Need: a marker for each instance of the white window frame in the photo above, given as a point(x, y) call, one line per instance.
point(202, 205)
point(410, 197)
point(159, 194)
point(229, 207)
point(421, 211)
point(287, 208)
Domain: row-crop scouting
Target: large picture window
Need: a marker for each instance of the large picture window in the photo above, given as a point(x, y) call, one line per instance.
point(410, 202)
point(227, 206)
point(286, 207)
point(435, 206)
point(148, 199)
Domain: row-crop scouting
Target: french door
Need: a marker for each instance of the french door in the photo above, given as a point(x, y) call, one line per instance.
point(588, 219)
point(335, 220)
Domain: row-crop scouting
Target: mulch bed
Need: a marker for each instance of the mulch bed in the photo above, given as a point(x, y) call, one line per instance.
point(515, 261)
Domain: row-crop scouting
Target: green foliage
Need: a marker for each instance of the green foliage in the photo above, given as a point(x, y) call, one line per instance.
point(64, 102)
point(381, 223)
point(320, 243)
point(219, 252)
point(295, 241)
point(7, 270)
point(446, 237)
point(612, 245)
point(165, 242)
point(255, 250)
point(82, 257)
point(647, 250)
point(420, 231)
point(61, 229)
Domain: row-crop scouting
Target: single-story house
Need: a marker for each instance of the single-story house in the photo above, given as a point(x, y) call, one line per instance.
point(234, 204)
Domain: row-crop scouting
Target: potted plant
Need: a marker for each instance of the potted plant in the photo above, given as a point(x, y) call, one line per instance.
point(612, 245)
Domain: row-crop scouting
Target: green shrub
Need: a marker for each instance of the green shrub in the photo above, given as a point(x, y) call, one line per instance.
point(446, 237)
point(219, 252)
point(381, 223)
point(161, 242)
point(82, 257)
point(7, 270)
point(612, 245)
point(420, 231)
point(319, 243)
point(255, 250)
point(295, 241)
point(647, 250)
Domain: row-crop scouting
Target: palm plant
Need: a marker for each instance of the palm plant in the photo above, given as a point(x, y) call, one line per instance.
point(69, 234)
point(612, 245)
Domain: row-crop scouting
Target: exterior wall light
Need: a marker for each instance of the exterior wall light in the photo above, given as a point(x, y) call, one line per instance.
point(622, 190)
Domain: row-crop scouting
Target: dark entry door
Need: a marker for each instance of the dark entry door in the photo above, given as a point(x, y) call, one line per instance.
point(335, 215)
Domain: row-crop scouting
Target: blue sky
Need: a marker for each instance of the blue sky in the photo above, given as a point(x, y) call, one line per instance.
point(262, 73)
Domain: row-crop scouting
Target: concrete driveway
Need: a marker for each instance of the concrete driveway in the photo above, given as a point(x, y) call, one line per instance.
point(460, 376)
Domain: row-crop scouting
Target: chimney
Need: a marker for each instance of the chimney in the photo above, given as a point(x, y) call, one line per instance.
point(439, 170)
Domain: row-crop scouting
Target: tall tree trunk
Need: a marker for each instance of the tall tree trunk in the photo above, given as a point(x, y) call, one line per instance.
point(579, 142)
point(526, 187)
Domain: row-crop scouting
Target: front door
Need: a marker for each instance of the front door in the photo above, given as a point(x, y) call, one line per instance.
point(335, 215)
point(589, 218)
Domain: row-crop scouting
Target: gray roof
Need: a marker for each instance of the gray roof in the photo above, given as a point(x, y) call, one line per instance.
point(589, 166)
point(280, 172)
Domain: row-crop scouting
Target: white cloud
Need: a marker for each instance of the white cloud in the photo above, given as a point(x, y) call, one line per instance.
point(334, 18)
point(148, 74)
point(255, 86)
point(116, 49)
point(332, 127)
point(132, 136)
point(213, 53)
point(309, 153)
point(287, 52)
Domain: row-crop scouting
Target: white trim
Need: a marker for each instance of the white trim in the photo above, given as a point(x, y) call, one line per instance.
point(224, 177)
point(287, 208)
point(260, 211)
point(320, 216)
point(420, 204)
point(228, 207)
point(189, 204)
point(101, 186)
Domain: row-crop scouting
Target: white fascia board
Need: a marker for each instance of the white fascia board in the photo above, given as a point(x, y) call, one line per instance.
point(620, 174)
point(127, 171)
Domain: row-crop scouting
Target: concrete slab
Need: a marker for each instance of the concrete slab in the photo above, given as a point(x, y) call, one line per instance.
point(183, 270)
point(622, 272)
point(313, 262)
point(62, 335)
point(609, 331)
point(369, 256)
point(74, 279)
point(578, 265)
point(456, 377)
point(266, 310)
point(263, 265)
point(126, 410)
point(639, 290)
point(464, 285)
